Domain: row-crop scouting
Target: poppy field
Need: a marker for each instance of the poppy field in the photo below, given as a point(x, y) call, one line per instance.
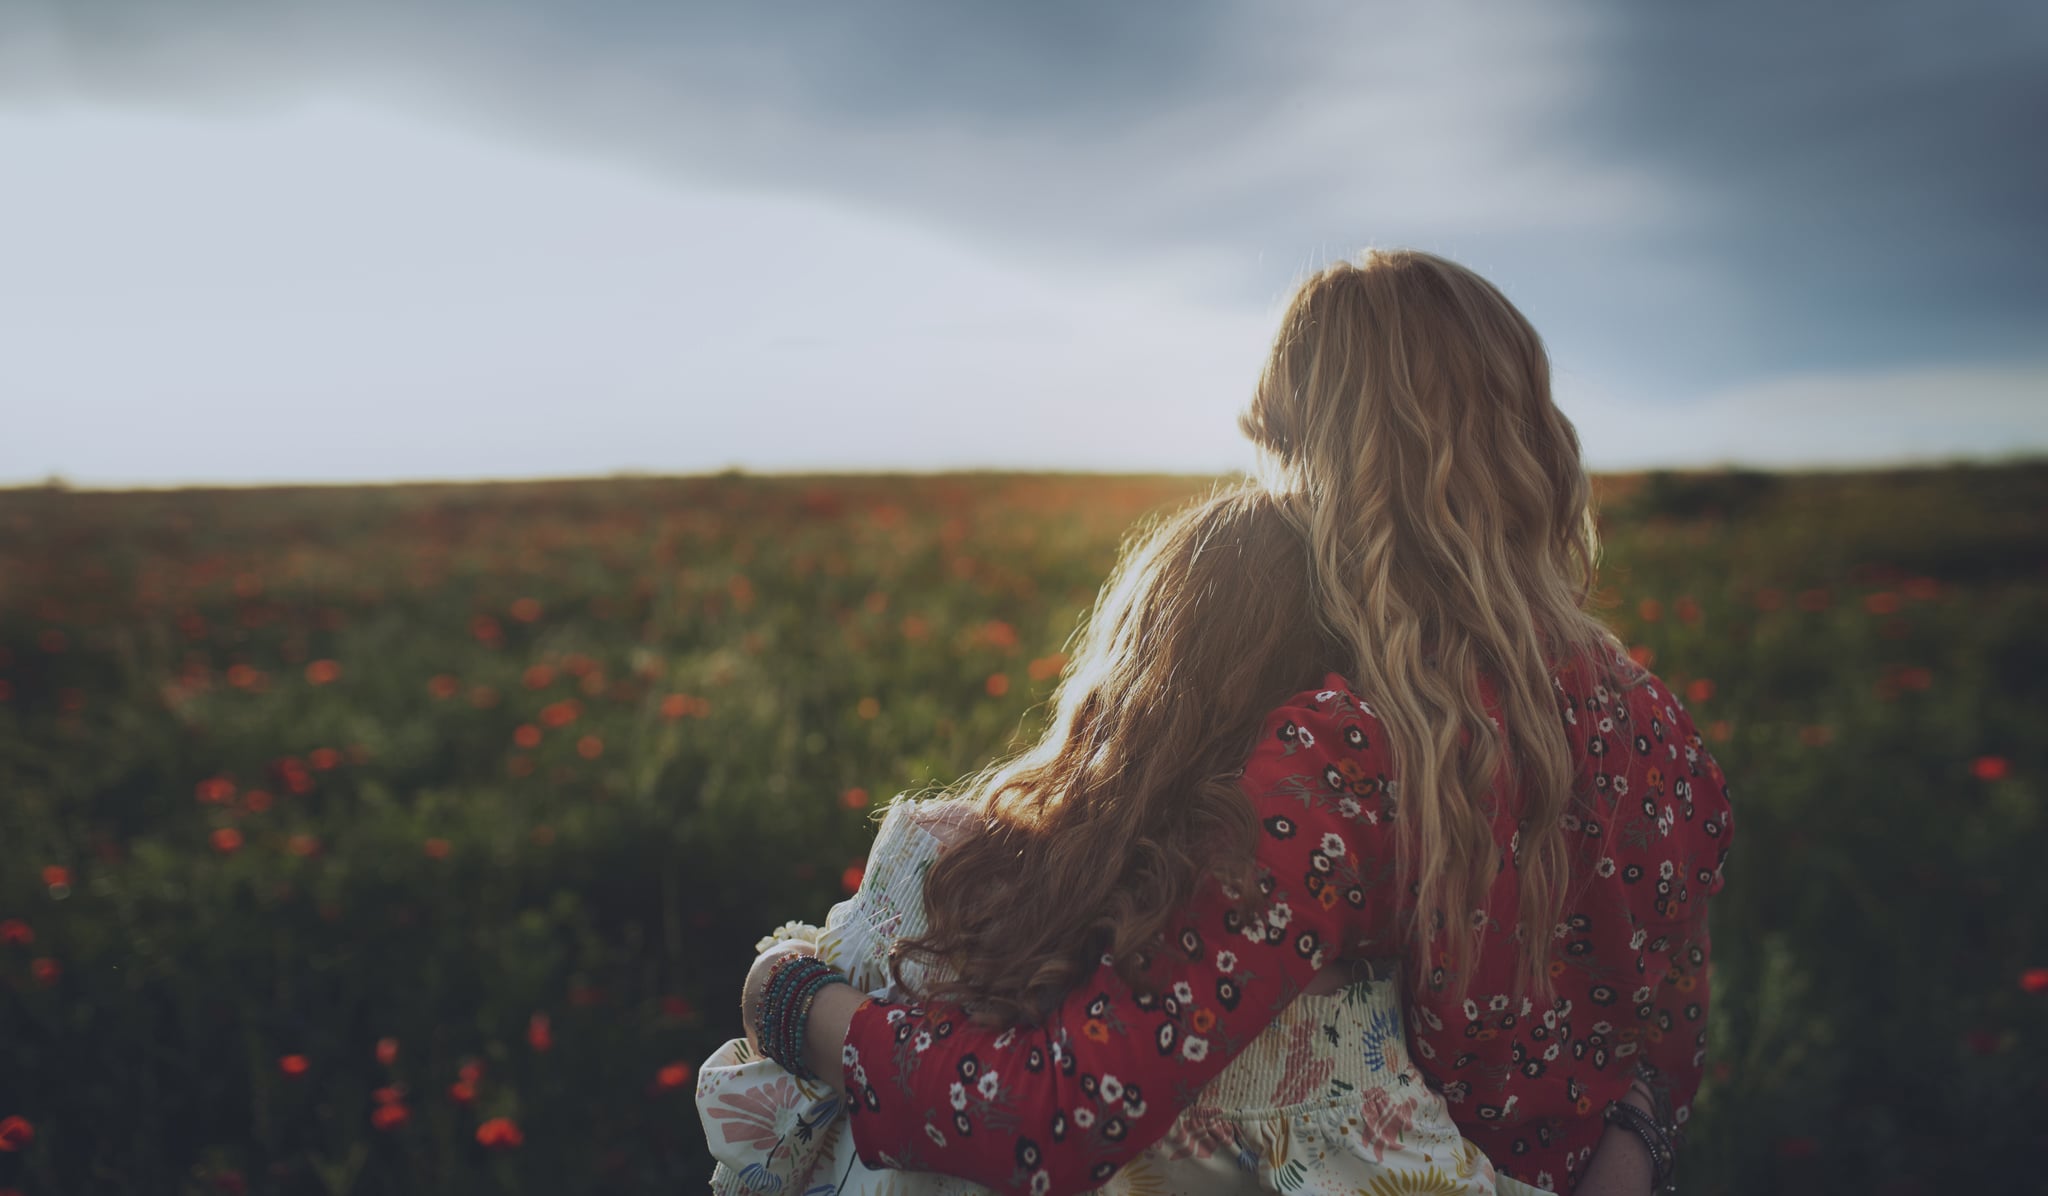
point(416, 838)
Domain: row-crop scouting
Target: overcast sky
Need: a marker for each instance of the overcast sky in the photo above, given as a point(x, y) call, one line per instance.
point(351, 239)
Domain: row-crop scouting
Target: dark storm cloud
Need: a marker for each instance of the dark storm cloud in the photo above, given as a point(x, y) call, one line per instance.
point(1872, 169)
point(1845, 183)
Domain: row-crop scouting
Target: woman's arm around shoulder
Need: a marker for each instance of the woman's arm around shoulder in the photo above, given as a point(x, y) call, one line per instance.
point(1058, 1107)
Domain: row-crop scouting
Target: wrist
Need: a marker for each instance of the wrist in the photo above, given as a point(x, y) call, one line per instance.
point(788, 991)
point(754, 992)
point(1631, 1115)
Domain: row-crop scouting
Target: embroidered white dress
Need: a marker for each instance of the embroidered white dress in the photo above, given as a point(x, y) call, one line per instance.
point(1324, 1100)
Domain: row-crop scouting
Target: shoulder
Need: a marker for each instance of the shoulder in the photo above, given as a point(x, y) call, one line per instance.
point(1657, 784)
point(912, 833)
point(946, 819)
point(1322, 749)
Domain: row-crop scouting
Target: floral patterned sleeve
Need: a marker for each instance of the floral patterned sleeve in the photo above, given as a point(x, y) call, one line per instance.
point(1058, 1107)
point(1671, 1016)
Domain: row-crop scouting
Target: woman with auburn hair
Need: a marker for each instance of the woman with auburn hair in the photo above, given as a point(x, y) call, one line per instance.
point(1477, 782)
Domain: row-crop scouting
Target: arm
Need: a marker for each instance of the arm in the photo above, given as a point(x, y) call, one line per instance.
point(831, 1012)
point(894, 872)
point(1673, 1025)
point(1060, 1106)
point(1621, 1163)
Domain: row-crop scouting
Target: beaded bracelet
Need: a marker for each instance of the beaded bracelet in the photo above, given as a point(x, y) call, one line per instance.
point(784, 1013)
point(1663, 1157)
point(776, 987)
point(795, 1019)
point(1660, 1102)
point(761, 998)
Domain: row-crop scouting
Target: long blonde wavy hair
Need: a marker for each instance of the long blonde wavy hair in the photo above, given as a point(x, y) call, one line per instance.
point(1420, 517)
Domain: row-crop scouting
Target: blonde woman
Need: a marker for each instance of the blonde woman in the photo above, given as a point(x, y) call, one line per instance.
point(1480, 783)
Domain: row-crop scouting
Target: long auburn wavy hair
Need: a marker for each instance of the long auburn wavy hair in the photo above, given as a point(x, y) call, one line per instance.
point(1419, 517)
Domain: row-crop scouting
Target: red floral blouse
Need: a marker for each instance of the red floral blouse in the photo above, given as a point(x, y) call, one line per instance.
point(1058, 1107)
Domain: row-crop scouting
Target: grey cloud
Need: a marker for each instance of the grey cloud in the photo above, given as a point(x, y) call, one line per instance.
point(1709, 191)
point(1870, 169)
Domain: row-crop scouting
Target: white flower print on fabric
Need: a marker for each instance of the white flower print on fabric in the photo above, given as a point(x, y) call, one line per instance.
point(789, 932)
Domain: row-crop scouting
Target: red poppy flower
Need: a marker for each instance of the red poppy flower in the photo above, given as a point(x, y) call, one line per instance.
point(15, 1133)
point(387, 1051)
point(539, 1035)
point(1990, 768)
point(673, 1076)
point(16, 933)
point(294, 1065)
point(500, 1133)
point(2034, 980)
point(390, 1116)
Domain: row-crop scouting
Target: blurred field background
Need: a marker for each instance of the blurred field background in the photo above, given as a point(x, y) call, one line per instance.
point(415, 838)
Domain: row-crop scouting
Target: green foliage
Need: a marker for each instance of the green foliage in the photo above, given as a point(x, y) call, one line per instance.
point(515, 775)
point(1728, 493)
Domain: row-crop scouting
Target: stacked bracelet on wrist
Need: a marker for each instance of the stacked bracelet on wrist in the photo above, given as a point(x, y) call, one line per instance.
point(1663, 1154)
point(785, 1008)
